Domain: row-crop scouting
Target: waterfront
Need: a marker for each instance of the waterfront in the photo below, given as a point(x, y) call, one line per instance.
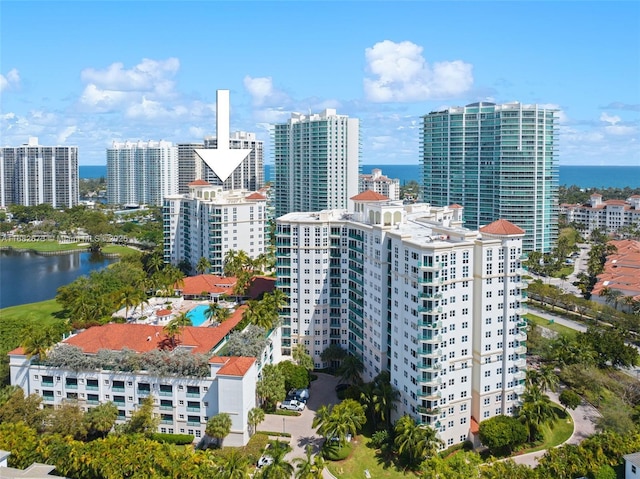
point(27, 277)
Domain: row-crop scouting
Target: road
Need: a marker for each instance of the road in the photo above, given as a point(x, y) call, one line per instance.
point(321, 392)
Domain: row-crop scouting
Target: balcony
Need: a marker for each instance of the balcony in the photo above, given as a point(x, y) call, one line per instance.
point(71, 386)
point(47, 383)
point(94, 402)
point(430, 267)
point(520, 350)
point(521, 363)
point(433, 381)
point(165, 407)
point(165, 393)
point(430, 295)
point(520, 375)
point(91, 388)
point(193, 395)
point(193, 409)
point(519, 389)
point(166, 421)
point(430, 339)
point(522, 323)
point(425, 323)
point(428, 411)
point(118, 389)
point(144, 392)
point(193, 423)
point(429, 395)
point(521, 336)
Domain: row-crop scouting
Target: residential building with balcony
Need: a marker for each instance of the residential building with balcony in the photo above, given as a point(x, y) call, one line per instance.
point(209, 221)
point(33, 174)
point(316, 161)
point(379, 183)
point(410, 291)
point(608, 216)
point(500, 162)
point(183, 399)
point(141, 172)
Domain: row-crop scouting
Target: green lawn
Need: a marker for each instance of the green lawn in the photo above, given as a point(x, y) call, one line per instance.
point(364, 457)
point(44, 246)
point(558, 328)
point(118, 249)
point(45, 312)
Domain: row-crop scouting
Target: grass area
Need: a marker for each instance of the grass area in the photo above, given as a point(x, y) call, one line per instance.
point(45, 312)
point(558, 328)
point(118, 249)
point(364, 457)
point(561, 431)
point(565, 270)
point(44, 246)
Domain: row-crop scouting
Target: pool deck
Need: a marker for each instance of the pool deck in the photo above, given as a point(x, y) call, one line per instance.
point(178, 306)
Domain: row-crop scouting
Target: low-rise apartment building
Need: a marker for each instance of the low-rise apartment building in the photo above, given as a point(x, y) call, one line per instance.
point(189, 383)
point(606, 215)
point(376, 181)
point(408, 290)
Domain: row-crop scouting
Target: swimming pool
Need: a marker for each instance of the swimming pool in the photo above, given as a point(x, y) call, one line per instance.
point(196, 315)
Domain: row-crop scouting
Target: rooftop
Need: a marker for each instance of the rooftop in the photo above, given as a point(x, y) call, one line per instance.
point(502, 227)
point(370, 196)
point(195, 285)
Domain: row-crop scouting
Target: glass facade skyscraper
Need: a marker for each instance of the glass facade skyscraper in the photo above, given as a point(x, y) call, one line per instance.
point(499, 162)
point(317, 162)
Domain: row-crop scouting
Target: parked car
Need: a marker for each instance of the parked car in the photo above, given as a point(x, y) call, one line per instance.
point(302, 394)
point(265, 459)
point(292, 405)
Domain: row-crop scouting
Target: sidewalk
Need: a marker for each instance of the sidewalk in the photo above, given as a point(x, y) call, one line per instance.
point(583, 417)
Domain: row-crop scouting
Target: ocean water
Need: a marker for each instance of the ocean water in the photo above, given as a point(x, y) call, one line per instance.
point(582, 176)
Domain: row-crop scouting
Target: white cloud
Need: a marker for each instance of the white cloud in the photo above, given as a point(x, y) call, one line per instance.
point(65, 134)
point(560, 114)
point(11, 80)
point(264, 94)
point(151, 110)
point(399, 73)
point(197, 132)
point(610, 119)
point(148, 75)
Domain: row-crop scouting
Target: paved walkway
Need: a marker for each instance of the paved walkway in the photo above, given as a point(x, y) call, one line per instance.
point(583, 417)
point(321, 392)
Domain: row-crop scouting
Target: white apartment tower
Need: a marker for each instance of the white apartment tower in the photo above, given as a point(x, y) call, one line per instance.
point(33, 174)
point(209, 221)
point(408, 290)
point(379, 183)
point(233, 161)
point(317, 161)
point(141, 172)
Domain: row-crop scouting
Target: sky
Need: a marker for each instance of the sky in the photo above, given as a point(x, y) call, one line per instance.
point(89, 73)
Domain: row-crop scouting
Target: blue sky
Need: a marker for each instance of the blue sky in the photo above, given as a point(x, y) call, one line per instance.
point(88, 73)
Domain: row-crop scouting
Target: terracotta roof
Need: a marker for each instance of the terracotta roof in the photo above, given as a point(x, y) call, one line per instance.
point(210, 283)
point(145, 337)
point(474, 427)
point(634, 196)
point(255, 196)
point(455, 206)
point(621, 270)
point(163, 312)
point(19, 351)
point(502, 227)
point(260, 285)
point(616, 202)
point(597, 194)
point(199, 183)
point(236, 366)
point(370, 195)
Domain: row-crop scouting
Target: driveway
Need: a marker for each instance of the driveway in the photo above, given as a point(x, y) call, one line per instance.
point(321, 392)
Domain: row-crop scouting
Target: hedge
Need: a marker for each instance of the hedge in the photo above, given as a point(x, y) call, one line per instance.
point(177, 439)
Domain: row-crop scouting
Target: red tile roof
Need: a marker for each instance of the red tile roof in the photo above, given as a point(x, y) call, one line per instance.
point(163, 312)
point(370, 195)
point(455, 206)
point(502, 227)
point(19, 351)
point(145, 337)
point(260, 285)
point(475, 427)
point(621, 269)
point(255, 196)
point(199, 183)
point(193, 285)
point(236, 366)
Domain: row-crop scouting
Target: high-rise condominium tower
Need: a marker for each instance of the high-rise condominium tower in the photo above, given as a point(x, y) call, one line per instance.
point(317, 160)
point(499, 161)
point(234, 161)
point(408, 290)
point(32, 174)
point(142, 172)
point(209, 221)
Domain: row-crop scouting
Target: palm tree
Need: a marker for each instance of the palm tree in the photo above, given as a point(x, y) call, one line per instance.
point(155, 262)
point(255, 417)
point(537, 410)
point(416, 441)
point(279, 468)
point(385, 397)
point(101, 419)
point(219, 427)
point(203, 265)
point(217, 312)
point(308, 467)
point(130, 297)
point(37, 341)
point(548, 380)
point(346, 418)
point(321, 418)
point(351, 369)
point(233, 465)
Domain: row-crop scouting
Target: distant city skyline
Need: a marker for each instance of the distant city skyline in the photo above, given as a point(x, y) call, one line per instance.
point(136, 71)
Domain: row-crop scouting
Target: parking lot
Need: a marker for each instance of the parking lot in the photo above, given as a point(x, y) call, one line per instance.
point(322, 391)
